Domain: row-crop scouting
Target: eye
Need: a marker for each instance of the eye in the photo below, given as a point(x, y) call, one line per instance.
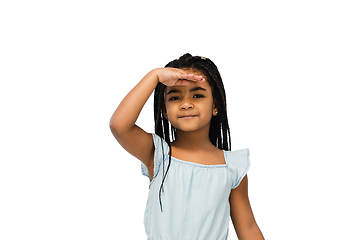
point(198, 96)
point(173, 98)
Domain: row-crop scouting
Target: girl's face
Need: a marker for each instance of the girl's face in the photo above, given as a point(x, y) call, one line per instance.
point(189, 108)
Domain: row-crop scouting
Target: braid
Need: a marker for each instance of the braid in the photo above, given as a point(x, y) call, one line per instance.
point(219, 133)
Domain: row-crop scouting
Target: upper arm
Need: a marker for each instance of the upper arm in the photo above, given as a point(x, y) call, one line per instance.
point(240, 209)
point(138, 143)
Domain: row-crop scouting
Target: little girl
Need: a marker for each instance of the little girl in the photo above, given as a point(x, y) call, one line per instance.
point(196, 182)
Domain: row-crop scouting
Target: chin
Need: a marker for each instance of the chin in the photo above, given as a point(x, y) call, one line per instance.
point(188, 128)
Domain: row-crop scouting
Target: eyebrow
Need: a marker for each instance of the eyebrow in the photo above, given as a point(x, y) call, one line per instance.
point(191, 90)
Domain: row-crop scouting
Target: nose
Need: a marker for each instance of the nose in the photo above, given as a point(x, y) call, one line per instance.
point(185, 105)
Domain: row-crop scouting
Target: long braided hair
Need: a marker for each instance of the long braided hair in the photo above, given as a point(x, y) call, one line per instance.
point(219, 133)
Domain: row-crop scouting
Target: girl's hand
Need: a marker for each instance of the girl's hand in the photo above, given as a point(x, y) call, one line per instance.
point(177, 77)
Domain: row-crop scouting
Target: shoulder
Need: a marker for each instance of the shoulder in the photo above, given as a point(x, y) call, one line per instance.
point(159, 142)
point(161, 150)
point(238, 163)
point(237, 157)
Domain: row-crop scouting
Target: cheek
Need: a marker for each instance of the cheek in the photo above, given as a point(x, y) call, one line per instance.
point(210, 109)
point(169, 109)
point(210, 106)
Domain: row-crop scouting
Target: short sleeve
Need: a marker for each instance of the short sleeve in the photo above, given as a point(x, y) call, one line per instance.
point(238, 165)
point(161, 151)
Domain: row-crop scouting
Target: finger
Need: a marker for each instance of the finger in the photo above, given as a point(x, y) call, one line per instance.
point(177, 75)
point(196, 78)
point(188, 76)
point(199, 78)
point(185, 83)
point(185, 75)
point(192, 77)
point(182, 82)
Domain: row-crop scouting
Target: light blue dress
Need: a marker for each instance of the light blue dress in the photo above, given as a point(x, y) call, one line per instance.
point(195, 200)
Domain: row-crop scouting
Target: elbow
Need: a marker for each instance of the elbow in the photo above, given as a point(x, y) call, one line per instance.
point(115, 123)
point(112, 124)
point(115, 127)
point(119, 128)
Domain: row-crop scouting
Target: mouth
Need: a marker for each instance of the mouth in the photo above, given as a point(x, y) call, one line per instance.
point(188, 116)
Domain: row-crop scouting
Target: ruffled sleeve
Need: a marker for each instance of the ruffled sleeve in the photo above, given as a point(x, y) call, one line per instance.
point(238, 165)
point(161, 151)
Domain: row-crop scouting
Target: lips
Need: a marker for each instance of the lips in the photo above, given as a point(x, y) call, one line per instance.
point(188, 116)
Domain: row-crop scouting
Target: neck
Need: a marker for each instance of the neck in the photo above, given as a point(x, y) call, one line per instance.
point(192, 140)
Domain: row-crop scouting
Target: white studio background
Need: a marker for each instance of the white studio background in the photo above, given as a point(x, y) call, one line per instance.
point(291, 72)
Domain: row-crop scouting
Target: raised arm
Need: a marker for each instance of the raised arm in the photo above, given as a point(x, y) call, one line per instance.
point(122, 123)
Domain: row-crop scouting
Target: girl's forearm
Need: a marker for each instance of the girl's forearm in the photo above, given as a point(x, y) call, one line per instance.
point(128, 111)
point(252, 233)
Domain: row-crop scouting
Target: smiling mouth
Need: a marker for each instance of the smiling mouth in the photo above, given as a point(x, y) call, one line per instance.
point(188, 117)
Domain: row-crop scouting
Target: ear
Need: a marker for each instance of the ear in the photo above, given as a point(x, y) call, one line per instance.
point(215, 111)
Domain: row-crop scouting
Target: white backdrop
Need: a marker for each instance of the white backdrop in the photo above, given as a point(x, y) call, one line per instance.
point(291, 72)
